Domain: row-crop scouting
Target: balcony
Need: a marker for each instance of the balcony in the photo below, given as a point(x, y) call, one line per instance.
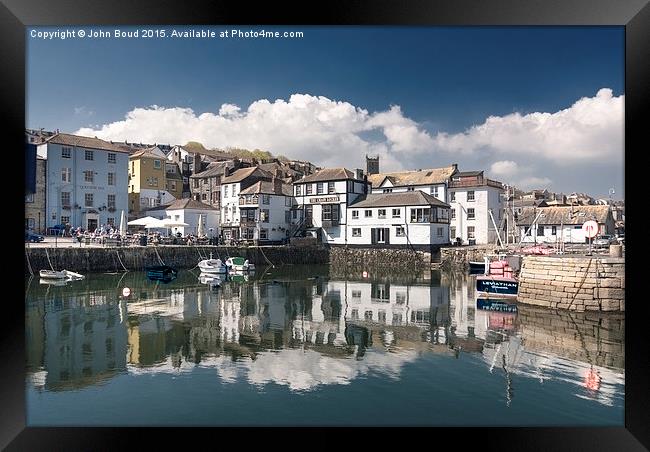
point(246, 201)
point(476, 181)
point(245, 221)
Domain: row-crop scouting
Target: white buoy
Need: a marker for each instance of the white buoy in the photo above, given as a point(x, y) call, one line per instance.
point(126, 292)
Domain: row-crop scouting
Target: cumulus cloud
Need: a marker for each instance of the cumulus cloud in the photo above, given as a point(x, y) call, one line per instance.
point(335, 133)
point(519, 175)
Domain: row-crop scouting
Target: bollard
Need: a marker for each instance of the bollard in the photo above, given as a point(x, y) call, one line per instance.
point(615, 250)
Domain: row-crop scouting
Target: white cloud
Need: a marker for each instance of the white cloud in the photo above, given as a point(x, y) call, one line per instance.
point(333, 133)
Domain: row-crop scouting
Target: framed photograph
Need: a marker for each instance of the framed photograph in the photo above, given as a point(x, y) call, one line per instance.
point(373, 215)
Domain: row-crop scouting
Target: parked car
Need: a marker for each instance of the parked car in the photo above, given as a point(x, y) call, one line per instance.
point(33, 237)
point(604, 240)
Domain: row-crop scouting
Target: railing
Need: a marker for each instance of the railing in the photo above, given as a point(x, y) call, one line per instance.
point(474, 182)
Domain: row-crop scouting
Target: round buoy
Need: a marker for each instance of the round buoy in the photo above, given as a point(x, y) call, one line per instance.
point(126, 292)
point(365, 274)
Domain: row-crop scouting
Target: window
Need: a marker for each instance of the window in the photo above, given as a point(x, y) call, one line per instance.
point(156, 164)
point(356, 232)
point(330, 187)
point(540, 230)
point(287, 216)
point(66, 174)
point(452, 232)
point(330, 212)
point(397, 319)
point(410, 188)
point(367, 315)
point(266, 199)
point(64, 219)
point(356, 294)
point(264, 215)
point(29, 197)
point(111, 157)
point(397, 213)
point(553, 230)
point(470, 214)
point(132, 167)
point(54, 216)
point(66, 153)
point(111, 178)
point(110, 202)
point(88, 198)
point(387, 190)
point(264, 233)
point(439, 232)
point(421, 215)
point(308, 189)
point(109, 220)
point(470, 233)
point(89, 155)
point(172, 185)
point(65, 198)
point(381, 316)
point(155, 181)
point(350, 186)
point(205, 181)
point(452, 196)
point(399, 231)
point(381, 213)
point(196, 184)
point(368, 214)
point(225, 191)
point(470, 195)
point(298, 190)
point(204, 197)
point(319, 188)
point(400, 297)
point(89, 176)
point(355, 214)
point(453, 214)
point(355, 314)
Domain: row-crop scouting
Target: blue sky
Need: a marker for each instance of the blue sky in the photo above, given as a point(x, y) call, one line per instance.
point(444, 81)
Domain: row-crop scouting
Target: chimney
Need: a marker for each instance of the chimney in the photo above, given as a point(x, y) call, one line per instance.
point(454, 166)
point(358, 174)
point(277, 186)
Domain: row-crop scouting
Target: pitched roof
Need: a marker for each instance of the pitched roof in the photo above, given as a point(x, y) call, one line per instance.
point(408, 198)
point(67, 139)
point(563, 215)
point(181, 204)
point(419, 177)
point(268, 188)
point(328, 174)
point(214, 169)
point(244, 173)
point(147, 153)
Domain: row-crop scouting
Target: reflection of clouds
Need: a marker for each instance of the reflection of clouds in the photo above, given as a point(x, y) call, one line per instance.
point(300, 370)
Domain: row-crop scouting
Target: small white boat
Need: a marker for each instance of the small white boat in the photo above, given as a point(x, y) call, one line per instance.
point(63, 274)
point(239, 264)
point(212, 280)
point(212, 266)
point(52, 274)
point(54, 282)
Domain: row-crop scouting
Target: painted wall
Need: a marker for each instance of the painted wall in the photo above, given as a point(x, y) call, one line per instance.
point(485, 198)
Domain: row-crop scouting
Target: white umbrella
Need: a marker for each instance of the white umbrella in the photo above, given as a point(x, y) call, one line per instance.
point(122, 224)
point(155, 223)
point(142, 221)
point(199, 230)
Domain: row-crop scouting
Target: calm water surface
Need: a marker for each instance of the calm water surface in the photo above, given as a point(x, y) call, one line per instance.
point(305, 346)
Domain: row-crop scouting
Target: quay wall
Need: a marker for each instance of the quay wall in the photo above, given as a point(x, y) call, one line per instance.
point(573, 283)
point(84, 260)
point(458, 257)
point(402, 260)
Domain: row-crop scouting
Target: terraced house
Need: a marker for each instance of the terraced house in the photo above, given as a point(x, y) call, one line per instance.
point(86, 181)
point(147, 180)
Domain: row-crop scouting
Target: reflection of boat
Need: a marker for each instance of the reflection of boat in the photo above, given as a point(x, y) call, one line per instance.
point(212, 266)
point(240, 276)
point(210, 279)
point(54, 282)
point(60, 275)
point(239, 264)
point(163, 273)
point(496, 305)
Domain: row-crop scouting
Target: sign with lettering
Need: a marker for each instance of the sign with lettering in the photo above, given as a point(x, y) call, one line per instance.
point(494, 305)
point(324, 199)
point(591, 228)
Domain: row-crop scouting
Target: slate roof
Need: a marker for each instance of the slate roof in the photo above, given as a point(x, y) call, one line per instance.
point(328, 174)
point(409, 198)
point(243, 173)
point(67, 139)
point(420, 177)
point(563, 215)
point(268, 188)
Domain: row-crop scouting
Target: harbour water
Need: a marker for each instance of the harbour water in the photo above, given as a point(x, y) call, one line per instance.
point(301, 345)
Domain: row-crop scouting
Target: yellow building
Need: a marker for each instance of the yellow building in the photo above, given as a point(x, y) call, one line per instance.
point(147, 180)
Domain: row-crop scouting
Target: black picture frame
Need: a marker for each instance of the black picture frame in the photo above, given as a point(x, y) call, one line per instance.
point(634, 15)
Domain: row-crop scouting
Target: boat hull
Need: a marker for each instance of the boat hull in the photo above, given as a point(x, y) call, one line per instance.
point(212, 269)
point(476, 268)
point(497, 285)
point(162, 273)
point(50, 274)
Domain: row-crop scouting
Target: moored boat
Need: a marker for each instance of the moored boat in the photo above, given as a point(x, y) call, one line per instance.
point(500, 280)
point(238, 264)
point(53, 274)
point(212, 266)
point(163, 273)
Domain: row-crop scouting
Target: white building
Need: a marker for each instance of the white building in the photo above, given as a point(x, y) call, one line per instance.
point(188, 211)
point(231, 186)
point(476, 208)
point(324, 197)
point(432, 181)
point(265, 212)
point(562, 224)
point(86, 181)
point(410, 219)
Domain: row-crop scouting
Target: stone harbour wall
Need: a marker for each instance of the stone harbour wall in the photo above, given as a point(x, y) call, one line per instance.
point(458, 257)
point(402, 260)
point(85, 260)
point(573, 283)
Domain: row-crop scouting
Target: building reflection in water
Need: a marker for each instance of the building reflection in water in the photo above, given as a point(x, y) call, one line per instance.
point(312, 331)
